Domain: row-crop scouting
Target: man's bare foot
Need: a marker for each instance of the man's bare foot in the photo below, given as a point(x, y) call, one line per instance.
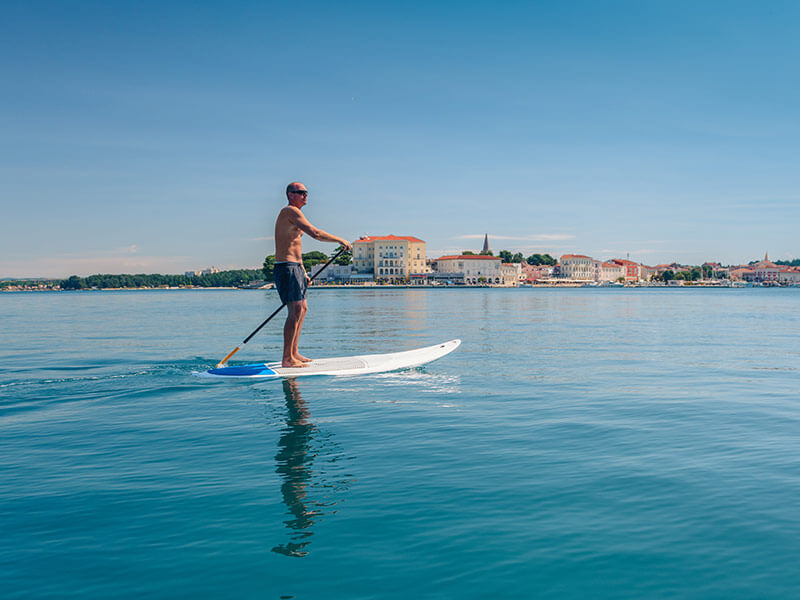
point(303, 358)
point(293, 363)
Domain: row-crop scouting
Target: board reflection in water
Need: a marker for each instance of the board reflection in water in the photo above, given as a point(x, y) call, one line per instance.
point(311, 469)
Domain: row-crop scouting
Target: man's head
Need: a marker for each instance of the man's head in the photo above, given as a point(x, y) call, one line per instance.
point(297, 194)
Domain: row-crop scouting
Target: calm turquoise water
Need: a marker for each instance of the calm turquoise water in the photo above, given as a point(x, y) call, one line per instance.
point(580, 444)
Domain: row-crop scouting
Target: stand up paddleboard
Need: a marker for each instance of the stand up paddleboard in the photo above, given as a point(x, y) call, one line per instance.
point(345, 365)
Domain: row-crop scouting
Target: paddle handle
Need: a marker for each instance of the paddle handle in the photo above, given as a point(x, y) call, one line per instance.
point(221, 363)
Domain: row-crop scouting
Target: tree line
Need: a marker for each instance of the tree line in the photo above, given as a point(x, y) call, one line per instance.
point(231, 278)
point(693, 274)
point(508, 257)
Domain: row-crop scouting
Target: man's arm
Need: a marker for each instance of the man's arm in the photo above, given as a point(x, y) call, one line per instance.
point(305, 226)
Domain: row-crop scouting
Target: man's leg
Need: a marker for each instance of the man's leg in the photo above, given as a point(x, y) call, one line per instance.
point(302, 318)
point(291, 331)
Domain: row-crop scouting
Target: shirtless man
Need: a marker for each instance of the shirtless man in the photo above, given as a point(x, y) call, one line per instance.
point(291, 278)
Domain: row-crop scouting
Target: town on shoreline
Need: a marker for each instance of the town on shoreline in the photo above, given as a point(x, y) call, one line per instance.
point(401, 261)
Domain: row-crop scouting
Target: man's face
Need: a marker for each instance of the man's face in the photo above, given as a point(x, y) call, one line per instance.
point(298, 195)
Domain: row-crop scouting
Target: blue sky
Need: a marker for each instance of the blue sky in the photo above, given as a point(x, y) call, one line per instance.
point(158, 137)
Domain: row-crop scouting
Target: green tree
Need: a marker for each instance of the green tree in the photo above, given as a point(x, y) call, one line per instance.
point(517, 258)
point(73, 282)
point(268, 267)
point(505, 255)
point(541, 259)
point(487, 253)
point(312, 258)
point(467, 253)
point(345, 258)
point(667, 276)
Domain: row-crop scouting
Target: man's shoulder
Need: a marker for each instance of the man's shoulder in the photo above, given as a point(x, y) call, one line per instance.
point(290, 211)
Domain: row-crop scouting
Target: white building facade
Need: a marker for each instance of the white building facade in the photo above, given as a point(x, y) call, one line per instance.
point(477, 269)
point(578, 267)
point(511, 274)
point(389, 257)
point(611, 271)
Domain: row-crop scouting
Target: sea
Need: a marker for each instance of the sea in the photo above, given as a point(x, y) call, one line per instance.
point(581, 443)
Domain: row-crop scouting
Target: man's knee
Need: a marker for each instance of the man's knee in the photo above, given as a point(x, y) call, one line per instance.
point(297, 309)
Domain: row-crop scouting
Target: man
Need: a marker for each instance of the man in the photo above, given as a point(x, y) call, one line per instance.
point(291, 278)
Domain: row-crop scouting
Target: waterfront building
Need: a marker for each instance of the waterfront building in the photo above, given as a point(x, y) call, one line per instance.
point(648, 272)
point(631, 270)
point(533, 273)
point(762, 271)
point(511, 274)
point(389, 257)
point(611, 271)
point(579, 267)
point(791, 276)
point(741, 274)
point(474, 268)
point(765, 271)
point(334, 273)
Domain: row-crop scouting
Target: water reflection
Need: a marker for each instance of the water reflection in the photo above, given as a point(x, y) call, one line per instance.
point(301, 445)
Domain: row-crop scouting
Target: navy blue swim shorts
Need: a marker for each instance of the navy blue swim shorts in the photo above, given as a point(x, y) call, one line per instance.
point(290, 281)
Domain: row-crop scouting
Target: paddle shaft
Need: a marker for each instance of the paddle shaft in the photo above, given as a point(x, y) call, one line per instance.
point(277, 310)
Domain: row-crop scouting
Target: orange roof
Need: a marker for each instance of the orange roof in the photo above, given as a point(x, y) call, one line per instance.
point(611, 264)
point(575, 256)
point(469, 257)
point(388, 238)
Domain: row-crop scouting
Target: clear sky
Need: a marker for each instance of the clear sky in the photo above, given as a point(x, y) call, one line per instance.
point(159, 136)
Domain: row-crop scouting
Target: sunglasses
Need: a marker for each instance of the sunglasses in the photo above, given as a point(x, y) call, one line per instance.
point(303, 192)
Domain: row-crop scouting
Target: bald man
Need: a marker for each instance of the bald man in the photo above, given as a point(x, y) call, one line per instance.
point(291, 279)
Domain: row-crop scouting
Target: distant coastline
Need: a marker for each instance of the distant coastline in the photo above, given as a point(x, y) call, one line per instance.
point(389, 286)
point(570, 271)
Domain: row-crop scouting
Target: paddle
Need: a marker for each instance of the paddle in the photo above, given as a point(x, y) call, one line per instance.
point(277, 310)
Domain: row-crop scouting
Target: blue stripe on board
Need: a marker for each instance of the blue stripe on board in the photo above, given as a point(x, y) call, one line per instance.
point(243, 371)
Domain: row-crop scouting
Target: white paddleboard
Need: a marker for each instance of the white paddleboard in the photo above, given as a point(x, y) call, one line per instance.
point(345, 365)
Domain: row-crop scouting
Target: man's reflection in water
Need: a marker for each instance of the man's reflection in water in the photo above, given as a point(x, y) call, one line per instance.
point(294, 464)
